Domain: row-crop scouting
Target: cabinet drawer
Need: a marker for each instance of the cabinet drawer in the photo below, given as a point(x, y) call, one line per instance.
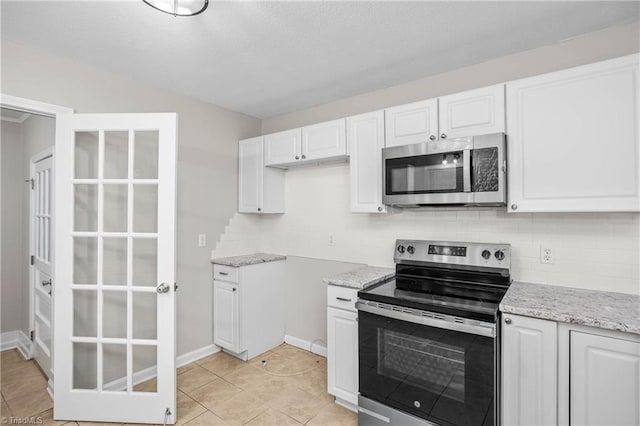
point(342, 297)
point(225, 273)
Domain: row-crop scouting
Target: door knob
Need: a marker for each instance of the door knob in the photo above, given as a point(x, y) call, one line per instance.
point(163, 288)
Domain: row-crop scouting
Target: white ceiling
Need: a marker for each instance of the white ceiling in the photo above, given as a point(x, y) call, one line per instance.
point(270, 58)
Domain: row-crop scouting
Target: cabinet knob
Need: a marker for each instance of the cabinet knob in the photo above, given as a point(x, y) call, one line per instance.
point(514, 207)
point(507, 320)
point(297, 157)
point(432, 137)
point(234, 289)
point(259, 209)
point(443, 136)
point(379, 209)
point(304, 156)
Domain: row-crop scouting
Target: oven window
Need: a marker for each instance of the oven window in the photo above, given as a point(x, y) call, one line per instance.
point(424, 174)
point(444, 376)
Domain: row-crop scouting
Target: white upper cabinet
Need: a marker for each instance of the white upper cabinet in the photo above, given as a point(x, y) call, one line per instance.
point(324, 140)
point(573, 139)
point(475, 112)
point(320, 142)
point(260, 189)
point(282, 147)
point(366, 140)
point(412, 123)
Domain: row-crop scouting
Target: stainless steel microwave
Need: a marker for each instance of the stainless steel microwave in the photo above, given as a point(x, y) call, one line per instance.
point(465, 171)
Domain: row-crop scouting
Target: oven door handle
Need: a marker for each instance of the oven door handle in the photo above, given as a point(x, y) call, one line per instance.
point(415, 316)
point(466, 170)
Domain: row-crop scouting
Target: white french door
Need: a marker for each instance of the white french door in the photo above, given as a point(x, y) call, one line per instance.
point(41, 209)
point(114, 301)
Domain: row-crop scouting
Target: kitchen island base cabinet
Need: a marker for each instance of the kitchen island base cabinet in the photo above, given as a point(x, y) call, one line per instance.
point(342, 346)
point(248, 308)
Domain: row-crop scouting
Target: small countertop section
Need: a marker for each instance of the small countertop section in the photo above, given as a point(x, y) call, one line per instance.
point(361, 278)
point(602, 309)
point(248, 259)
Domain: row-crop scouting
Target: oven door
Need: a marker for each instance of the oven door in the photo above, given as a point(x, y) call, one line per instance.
point(443, 375)
point(428, 173)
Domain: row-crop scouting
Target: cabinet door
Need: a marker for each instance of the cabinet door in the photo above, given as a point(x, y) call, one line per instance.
point(250, 175)
point(282, 147)
point(342, 354)
point(324, 140)
point(226, 316)
point(411, 123)
point(604, 380)
point(529, 371)
point(573, 139)
point(366, 140)
point(475, 112)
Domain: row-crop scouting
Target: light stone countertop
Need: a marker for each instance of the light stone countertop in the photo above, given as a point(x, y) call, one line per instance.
point(602, 309)
point(361, 278)
point(248, 259)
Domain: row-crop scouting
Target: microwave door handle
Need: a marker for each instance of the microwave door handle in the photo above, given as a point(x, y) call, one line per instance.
point(466, 170)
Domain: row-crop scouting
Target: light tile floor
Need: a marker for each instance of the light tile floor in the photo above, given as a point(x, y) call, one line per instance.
point(291, 389)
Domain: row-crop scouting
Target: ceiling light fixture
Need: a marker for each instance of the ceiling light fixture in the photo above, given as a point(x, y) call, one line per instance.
point(179, 7)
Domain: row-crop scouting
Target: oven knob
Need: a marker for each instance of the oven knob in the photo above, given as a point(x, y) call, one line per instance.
point(411, 250)
point(486, 254)
point(400, 249)
point(499, 254)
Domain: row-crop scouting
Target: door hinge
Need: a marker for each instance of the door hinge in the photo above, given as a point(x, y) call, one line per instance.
point(32, 335)
point(175, 287)
point(32, 259)
point(32, 181)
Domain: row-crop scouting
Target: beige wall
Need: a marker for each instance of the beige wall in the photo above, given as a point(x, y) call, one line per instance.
point(207, 165)
point(593, 47)
point(12, 219)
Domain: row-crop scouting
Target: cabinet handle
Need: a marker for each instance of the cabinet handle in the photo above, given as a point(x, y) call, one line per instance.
point(507, 320)
point(234, 289)
point(297, 157)
point(379, 209)
point(343, 299)
point(304, 156)
point(432, 137)
point(514, 207)
point(259, 209)
point(223, 273)
point(443, 136)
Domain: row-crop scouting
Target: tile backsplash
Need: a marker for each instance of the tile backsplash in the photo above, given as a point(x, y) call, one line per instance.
point(598, 251)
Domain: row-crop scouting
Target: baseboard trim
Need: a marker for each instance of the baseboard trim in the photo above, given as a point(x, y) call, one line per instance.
point(16, 339)
point(189, 357)
point(151, 372)
point(306, 345)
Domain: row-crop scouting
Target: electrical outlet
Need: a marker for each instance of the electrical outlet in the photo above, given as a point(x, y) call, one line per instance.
point(546, 255)
point(332, 240)
point(202, 240)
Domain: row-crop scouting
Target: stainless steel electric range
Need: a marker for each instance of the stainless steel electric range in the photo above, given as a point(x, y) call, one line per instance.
point(429, 339)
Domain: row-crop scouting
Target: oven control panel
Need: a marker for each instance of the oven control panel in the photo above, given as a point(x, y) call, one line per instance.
point(452, 252)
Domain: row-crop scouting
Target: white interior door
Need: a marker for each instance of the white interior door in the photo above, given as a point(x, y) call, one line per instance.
point(114, 304)
point(41, 208)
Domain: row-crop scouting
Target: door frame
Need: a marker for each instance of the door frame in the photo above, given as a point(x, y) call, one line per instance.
point(48, 110)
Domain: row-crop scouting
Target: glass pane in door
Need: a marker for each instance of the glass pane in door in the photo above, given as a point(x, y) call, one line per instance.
point(116, 154)
point(86, 155)
point(145, 164)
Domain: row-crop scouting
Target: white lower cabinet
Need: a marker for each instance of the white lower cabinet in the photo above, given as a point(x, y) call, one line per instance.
point(529, 371)
point(604, 384)
point(248, 308)
point(226, 321)
point(342, 346)
point(567, 374)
